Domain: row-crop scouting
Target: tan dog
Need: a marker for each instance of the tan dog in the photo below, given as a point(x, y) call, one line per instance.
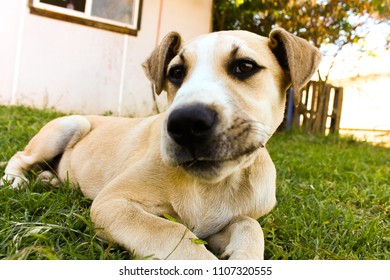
point(202, 162)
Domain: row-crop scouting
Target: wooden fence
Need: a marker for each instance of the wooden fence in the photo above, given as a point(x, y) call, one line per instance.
point(319, 110)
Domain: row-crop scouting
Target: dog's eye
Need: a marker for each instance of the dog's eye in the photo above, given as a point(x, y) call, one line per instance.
point(176, 74)
point(244, 68)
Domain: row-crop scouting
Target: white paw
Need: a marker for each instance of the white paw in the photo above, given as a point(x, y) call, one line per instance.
point(14, 181)
point(49, 178)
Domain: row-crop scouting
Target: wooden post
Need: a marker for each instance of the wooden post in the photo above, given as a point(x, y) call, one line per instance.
point(337, 108)
point(311, 114)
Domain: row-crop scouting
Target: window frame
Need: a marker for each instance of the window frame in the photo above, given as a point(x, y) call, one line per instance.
point(52, 11)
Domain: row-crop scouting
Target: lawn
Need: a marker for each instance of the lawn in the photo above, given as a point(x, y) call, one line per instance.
point(333, 201)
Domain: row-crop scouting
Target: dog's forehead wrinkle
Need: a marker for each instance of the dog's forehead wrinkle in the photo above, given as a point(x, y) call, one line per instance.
point(235, 49)
point(182, 57)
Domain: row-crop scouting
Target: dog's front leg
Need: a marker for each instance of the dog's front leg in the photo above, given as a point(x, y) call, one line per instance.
point(242, 239)
point(126, 223)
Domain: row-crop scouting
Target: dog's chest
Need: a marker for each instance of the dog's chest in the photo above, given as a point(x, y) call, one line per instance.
point(205, 221)
point(206, 212)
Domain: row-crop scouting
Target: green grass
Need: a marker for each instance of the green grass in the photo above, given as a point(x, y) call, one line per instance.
point(333, 202)
point(333, 199)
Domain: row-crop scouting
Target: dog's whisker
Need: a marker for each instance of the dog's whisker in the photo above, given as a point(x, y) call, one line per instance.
point(192, 163)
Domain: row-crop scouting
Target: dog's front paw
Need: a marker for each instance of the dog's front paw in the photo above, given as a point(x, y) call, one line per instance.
point(12, 180)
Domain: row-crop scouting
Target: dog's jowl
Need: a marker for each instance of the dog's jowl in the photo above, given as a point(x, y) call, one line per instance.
point(203, 161)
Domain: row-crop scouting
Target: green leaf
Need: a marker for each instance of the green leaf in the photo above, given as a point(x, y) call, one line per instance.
point(198, 241)
point(239, 3)
point(170, 218)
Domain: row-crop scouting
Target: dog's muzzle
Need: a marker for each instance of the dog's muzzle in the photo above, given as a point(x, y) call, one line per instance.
point(207, 142)
point(192, 129)
point(198, 139)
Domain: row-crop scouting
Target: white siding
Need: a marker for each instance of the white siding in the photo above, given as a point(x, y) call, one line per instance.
point(81, 69)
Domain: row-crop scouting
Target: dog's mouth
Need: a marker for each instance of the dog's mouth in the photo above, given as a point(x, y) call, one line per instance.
point(212, 166)
point(201, 165)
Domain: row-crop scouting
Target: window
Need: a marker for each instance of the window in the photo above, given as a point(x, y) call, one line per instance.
point(119, 16)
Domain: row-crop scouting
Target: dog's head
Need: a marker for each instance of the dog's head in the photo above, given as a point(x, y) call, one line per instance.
point(227, 93)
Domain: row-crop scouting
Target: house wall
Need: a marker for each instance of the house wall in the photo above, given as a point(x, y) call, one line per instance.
point(365, 112)
point(74, 68)
point(365, 104)
point(10, 15)
point(365, 79)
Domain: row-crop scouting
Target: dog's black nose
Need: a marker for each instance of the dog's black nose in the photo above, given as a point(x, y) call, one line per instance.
point(192, 125)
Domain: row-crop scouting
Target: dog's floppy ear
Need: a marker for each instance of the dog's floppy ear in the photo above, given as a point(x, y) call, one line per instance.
point(155, 66)
point(297, 57)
